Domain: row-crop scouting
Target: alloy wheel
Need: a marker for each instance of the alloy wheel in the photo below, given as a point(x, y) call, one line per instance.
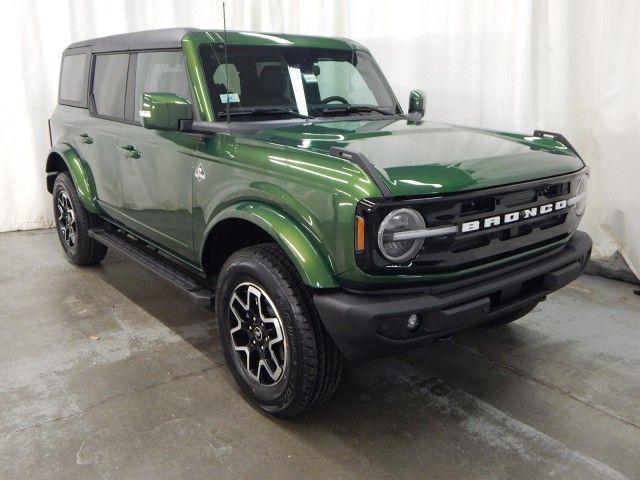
point(67, 220)
point(257, 334)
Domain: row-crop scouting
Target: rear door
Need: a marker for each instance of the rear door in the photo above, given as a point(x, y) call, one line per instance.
point(156, 167)
point(102, 130)
point(71, 122)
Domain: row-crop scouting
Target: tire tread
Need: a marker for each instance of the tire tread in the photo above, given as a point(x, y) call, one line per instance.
point(323, 362)
point(89, 251)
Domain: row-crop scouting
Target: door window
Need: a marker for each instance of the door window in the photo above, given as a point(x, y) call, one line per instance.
point(164, 72)
point(72, 80)
point(109, 84)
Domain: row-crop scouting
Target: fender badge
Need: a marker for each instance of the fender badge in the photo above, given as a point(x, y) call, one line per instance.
point(199, 173)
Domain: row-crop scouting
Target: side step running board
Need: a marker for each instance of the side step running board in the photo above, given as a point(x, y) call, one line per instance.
point(197, 292)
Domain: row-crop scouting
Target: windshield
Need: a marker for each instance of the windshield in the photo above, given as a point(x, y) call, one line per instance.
point(277, 81)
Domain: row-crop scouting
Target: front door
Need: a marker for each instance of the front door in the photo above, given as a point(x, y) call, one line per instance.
point(156, 167)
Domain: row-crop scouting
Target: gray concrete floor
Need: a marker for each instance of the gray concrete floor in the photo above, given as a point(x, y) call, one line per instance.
point(108, 372)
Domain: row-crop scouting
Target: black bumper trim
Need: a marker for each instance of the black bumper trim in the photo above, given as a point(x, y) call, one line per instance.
point(354, 320)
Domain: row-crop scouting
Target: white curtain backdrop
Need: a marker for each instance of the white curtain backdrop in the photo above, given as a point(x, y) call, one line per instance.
point(566, 66)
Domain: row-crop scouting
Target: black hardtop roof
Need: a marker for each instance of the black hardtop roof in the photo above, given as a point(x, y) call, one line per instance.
point(172, 38)
point(148, 39)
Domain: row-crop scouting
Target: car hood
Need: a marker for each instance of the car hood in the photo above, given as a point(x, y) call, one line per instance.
point(430, 158)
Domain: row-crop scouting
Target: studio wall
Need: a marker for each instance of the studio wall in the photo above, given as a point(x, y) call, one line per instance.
point(567, 66)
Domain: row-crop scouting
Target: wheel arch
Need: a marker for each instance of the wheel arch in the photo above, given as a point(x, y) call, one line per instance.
point(250, 223)
point(63, 158)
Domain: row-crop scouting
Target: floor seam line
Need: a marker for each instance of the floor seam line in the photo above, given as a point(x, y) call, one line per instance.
point(548, 385)
point(106, 400)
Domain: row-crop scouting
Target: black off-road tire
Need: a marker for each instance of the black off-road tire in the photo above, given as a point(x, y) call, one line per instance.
point(315, 364)
point(84, 250)
point(513, 316)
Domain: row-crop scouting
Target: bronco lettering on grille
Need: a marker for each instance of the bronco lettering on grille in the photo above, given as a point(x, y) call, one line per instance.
point(512, 217)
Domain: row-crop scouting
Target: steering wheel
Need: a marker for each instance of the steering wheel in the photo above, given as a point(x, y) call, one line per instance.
point(335, 98)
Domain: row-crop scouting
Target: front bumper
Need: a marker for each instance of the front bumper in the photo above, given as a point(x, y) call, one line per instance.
point(374, 324)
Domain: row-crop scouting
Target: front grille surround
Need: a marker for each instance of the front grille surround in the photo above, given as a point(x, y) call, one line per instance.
point(460, 251)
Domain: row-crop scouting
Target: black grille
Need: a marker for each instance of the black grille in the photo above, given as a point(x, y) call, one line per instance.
point(466, 250)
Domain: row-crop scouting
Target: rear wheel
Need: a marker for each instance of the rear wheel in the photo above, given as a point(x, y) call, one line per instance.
point(73, 222)
point(513, 316)
point(274, 343)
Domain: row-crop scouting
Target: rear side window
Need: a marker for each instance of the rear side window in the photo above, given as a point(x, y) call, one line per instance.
point(164, 72)
point(109, 84)
point(73, 82)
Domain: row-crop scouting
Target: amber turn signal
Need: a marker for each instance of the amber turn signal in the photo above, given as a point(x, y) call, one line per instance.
point(359, 233)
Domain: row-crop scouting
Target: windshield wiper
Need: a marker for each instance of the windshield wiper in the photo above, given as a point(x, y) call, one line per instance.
point(262, 111)
point(356, 108)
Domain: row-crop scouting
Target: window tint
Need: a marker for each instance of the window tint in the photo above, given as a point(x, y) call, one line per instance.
point(263, 78)
point(72, 79)
point(109, 84)
point(220, 78)
point(344, 80)
point(160, 72)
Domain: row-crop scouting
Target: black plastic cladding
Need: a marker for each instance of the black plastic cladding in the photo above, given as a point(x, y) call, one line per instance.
point(364, 163)
point(465, 250)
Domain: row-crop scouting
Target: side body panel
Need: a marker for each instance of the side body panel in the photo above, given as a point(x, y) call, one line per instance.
point(80, 174)
point(157, 186)
point(312, 267)
point(315, 195)
point(94, 140)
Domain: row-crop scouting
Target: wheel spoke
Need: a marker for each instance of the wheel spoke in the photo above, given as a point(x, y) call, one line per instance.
point(274, 374)
point(257, 334)
point(66, 219)
point(61, 209)
point(238, 318)
point(245, 350)
point(237, 298)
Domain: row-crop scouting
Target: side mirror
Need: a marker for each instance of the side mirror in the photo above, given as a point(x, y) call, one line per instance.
point(417, 99)
point(164, 111)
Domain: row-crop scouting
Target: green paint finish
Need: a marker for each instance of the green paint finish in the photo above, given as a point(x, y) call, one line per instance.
point(318, 193)
point(303, 253)
point(164, 111)
point(190, 45)
point(175, 187)
point(81, 175)
point(431, 158)
point(156, 187)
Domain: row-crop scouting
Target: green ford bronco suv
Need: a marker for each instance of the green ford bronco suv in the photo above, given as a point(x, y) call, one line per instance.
point(277, 178)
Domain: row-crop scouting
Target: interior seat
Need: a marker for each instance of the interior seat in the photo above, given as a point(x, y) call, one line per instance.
point(272, 85)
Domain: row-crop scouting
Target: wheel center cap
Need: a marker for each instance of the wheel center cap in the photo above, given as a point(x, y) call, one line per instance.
point(257, 332)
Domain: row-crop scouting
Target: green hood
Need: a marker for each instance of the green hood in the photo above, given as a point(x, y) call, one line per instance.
point(432, 158)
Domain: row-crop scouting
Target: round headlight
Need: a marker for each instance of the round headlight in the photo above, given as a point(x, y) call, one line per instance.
point(581, 195)
point(396, 249)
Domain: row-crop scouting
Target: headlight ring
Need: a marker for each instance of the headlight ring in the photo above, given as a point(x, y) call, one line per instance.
point(397, 221)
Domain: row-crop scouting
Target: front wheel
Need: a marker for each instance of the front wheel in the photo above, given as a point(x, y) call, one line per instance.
point(274, 343)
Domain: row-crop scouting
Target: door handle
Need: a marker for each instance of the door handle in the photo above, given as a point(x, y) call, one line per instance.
point(86, 138)
point(131, 151)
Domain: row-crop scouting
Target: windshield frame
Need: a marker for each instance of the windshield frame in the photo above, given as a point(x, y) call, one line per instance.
point(211, 56)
